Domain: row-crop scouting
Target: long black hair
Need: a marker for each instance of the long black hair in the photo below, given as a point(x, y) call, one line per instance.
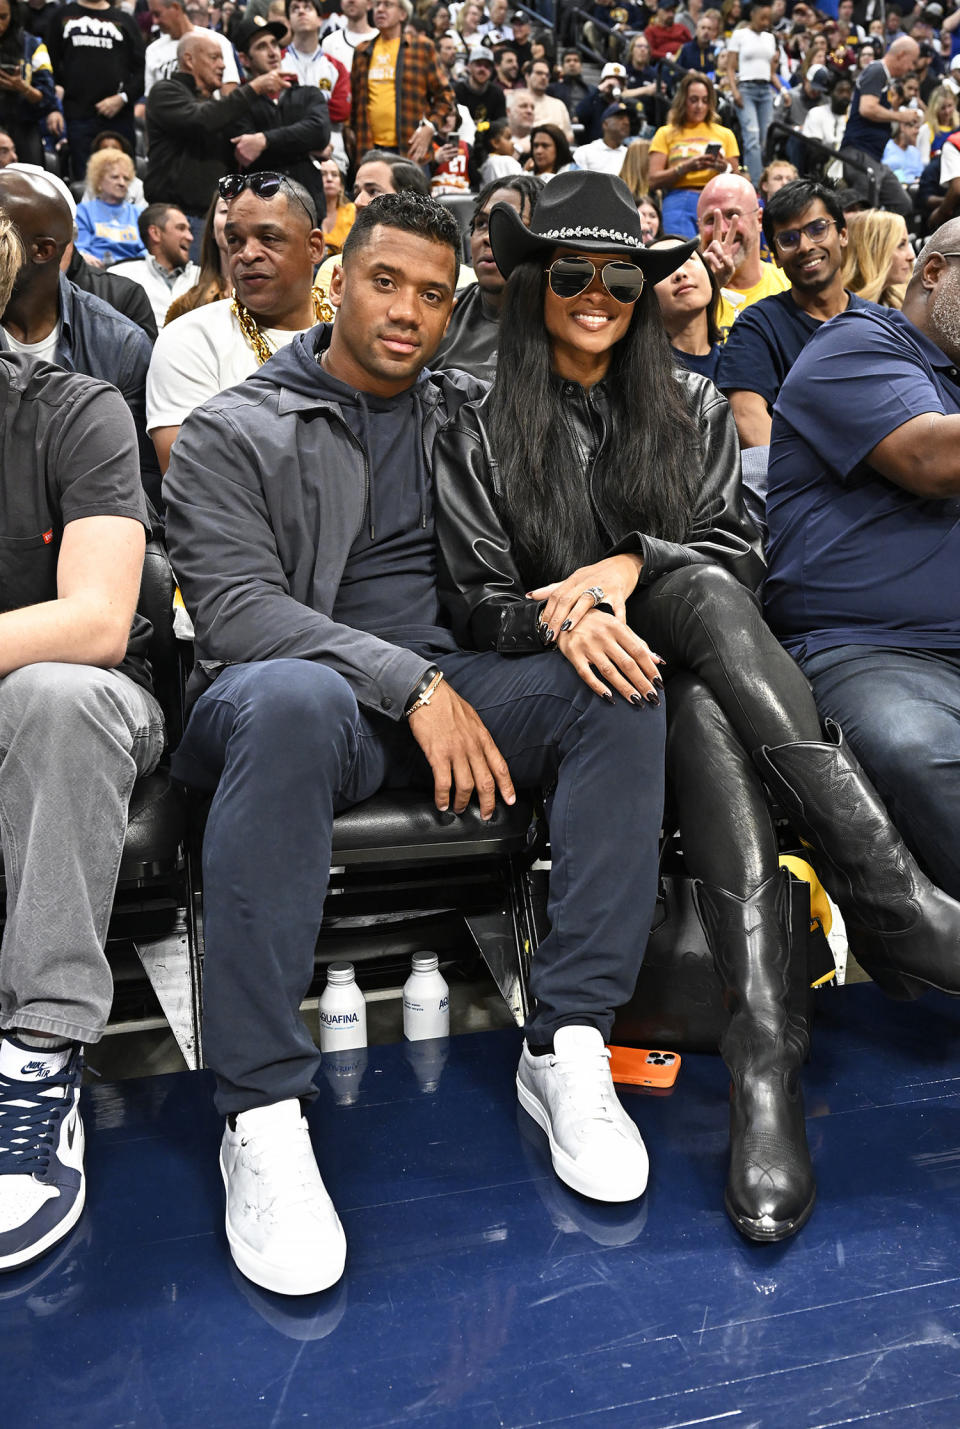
point(11, 45)
point(648, 471)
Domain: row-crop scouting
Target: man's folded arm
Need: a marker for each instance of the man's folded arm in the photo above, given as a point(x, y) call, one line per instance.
point(224, 552)
point(922, 455)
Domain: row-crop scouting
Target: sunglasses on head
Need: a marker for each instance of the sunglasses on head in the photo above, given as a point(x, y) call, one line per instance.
point(569, 277)
point(265, 184)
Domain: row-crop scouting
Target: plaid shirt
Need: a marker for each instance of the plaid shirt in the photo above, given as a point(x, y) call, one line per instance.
point(421, 87)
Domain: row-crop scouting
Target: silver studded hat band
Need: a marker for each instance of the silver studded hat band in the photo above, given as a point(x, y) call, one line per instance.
point(587, 212)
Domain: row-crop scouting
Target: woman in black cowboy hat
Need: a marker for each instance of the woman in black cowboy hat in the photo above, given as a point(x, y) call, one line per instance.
point(616, 478)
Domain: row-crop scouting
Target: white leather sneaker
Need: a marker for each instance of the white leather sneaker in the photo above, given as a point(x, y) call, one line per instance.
point(283, 1230)
point(594, 1145)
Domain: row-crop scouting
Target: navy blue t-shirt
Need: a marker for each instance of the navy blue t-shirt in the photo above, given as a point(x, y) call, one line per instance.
point(853, 558)
point(765, 342)
point(389, 583)
point(705, 365)
point(866, 134)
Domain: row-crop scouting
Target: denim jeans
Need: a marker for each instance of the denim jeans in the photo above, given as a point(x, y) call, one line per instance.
point(900, 712)
point(286, 746)
point(73, 740)
point(755, 117)
point(680, 212)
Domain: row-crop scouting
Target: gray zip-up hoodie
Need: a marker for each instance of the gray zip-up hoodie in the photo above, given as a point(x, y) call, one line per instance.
point(266, 492)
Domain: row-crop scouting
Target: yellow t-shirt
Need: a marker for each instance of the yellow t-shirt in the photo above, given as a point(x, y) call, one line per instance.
point(382, 93)
point(734, 300)
point(679, 144)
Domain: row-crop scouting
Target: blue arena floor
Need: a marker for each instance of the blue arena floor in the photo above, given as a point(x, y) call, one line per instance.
point(479, 1292)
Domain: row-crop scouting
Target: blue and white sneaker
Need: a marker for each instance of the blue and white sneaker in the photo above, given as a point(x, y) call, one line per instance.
point(42, 1186)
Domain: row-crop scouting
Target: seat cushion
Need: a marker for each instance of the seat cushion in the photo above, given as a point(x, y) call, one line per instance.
point(156, 827)
point(403, 826)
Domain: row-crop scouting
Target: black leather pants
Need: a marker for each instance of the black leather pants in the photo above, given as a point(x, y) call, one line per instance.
point(701, 619)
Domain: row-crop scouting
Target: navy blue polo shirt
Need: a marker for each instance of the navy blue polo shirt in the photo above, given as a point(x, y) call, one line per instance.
point(853, 558)
point(765, 342)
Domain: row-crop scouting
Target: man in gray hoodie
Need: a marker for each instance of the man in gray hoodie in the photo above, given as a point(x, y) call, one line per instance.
point(301, 525)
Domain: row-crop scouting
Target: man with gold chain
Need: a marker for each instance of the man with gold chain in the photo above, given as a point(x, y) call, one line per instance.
point(274, 242)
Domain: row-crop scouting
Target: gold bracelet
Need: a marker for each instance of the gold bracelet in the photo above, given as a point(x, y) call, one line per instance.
point(427, 695)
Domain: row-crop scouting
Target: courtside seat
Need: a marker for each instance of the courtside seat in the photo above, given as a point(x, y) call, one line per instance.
point(404, 826)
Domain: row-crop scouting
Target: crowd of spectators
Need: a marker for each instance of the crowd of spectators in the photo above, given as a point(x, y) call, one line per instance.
point(188, 207)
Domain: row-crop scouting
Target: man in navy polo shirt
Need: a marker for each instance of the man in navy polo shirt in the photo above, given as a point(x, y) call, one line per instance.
point(863, 507)
point(868, 127)
point(806, 232)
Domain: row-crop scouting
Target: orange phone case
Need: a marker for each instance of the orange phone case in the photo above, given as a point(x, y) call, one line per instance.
point(638, 1067)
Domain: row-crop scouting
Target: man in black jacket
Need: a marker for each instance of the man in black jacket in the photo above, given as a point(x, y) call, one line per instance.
point(187, 128)
point(302, 527)
point(284, 129)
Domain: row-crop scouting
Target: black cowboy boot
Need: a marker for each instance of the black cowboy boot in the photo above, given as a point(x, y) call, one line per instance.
point(902, 929)
point(770, 1188)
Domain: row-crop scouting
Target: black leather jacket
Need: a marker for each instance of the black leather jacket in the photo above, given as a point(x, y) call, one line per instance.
point(482, 588)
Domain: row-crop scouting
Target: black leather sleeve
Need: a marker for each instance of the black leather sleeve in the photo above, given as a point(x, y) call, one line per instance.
point(722, 531)
point(480, 585)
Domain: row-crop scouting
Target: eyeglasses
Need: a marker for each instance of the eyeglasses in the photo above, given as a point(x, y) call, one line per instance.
point(789, 239)
point(569, 277)
point(265, 184)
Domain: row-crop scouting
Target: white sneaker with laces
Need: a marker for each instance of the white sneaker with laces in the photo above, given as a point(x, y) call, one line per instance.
point(283, 1230)
point(42, 1183)
point(594, 1145)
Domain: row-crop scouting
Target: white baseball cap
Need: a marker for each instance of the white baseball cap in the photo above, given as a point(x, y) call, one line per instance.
point(613, 70)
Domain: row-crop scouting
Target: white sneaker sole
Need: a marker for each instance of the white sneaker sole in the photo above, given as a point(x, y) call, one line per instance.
point(572, 1174)
point(30, 1253)
point(306, 1279)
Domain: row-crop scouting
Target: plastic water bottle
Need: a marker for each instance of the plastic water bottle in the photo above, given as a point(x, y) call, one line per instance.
point(343, 1012)
point(426, 1000)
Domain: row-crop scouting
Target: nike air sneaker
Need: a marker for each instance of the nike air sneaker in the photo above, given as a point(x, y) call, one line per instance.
point(42, 1185)
point(594, 1145)
point(283, 1231)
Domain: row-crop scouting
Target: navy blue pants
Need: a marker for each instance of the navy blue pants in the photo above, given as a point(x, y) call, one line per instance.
point(287, 747)
point(900, 712)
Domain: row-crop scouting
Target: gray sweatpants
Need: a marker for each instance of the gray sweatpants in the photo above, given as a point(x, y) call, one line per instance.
point(73, 740)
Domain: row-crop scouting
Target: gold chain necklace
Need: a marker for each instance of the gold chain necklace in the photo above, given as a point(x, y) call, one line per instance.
point(248, 326)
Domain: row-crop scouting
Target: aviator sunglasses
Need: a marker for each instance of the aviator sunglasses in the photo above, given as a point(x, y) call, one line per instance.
point(569, 277)
point(265, 184)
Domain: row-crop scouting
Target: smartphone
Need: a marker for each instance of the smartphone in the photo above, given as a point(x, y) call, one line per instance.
point(10, 69)
point(638, 1067)
point(713, 151)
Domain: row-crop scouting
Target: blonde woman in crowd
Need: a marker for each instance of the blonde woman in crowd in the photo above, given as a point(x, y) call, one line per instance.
point(107, 229)
point(636, 165)
point(941, 117)
point(879, 258)
point(338, 219)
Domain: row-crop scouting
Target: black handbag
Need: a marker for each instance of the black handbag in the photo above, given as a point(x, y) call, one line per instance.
point(678, 1001)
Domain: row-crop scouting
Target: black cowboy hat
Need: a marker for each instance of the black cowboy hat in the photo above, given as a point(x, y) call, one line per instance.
point(588, 213)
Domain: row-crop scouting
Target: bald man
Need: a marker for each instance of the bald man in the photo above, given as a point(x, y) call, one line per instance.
point(729, 220)
point(51, 318)
point(187, 128)
point(872, 112)
point(864, 552)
